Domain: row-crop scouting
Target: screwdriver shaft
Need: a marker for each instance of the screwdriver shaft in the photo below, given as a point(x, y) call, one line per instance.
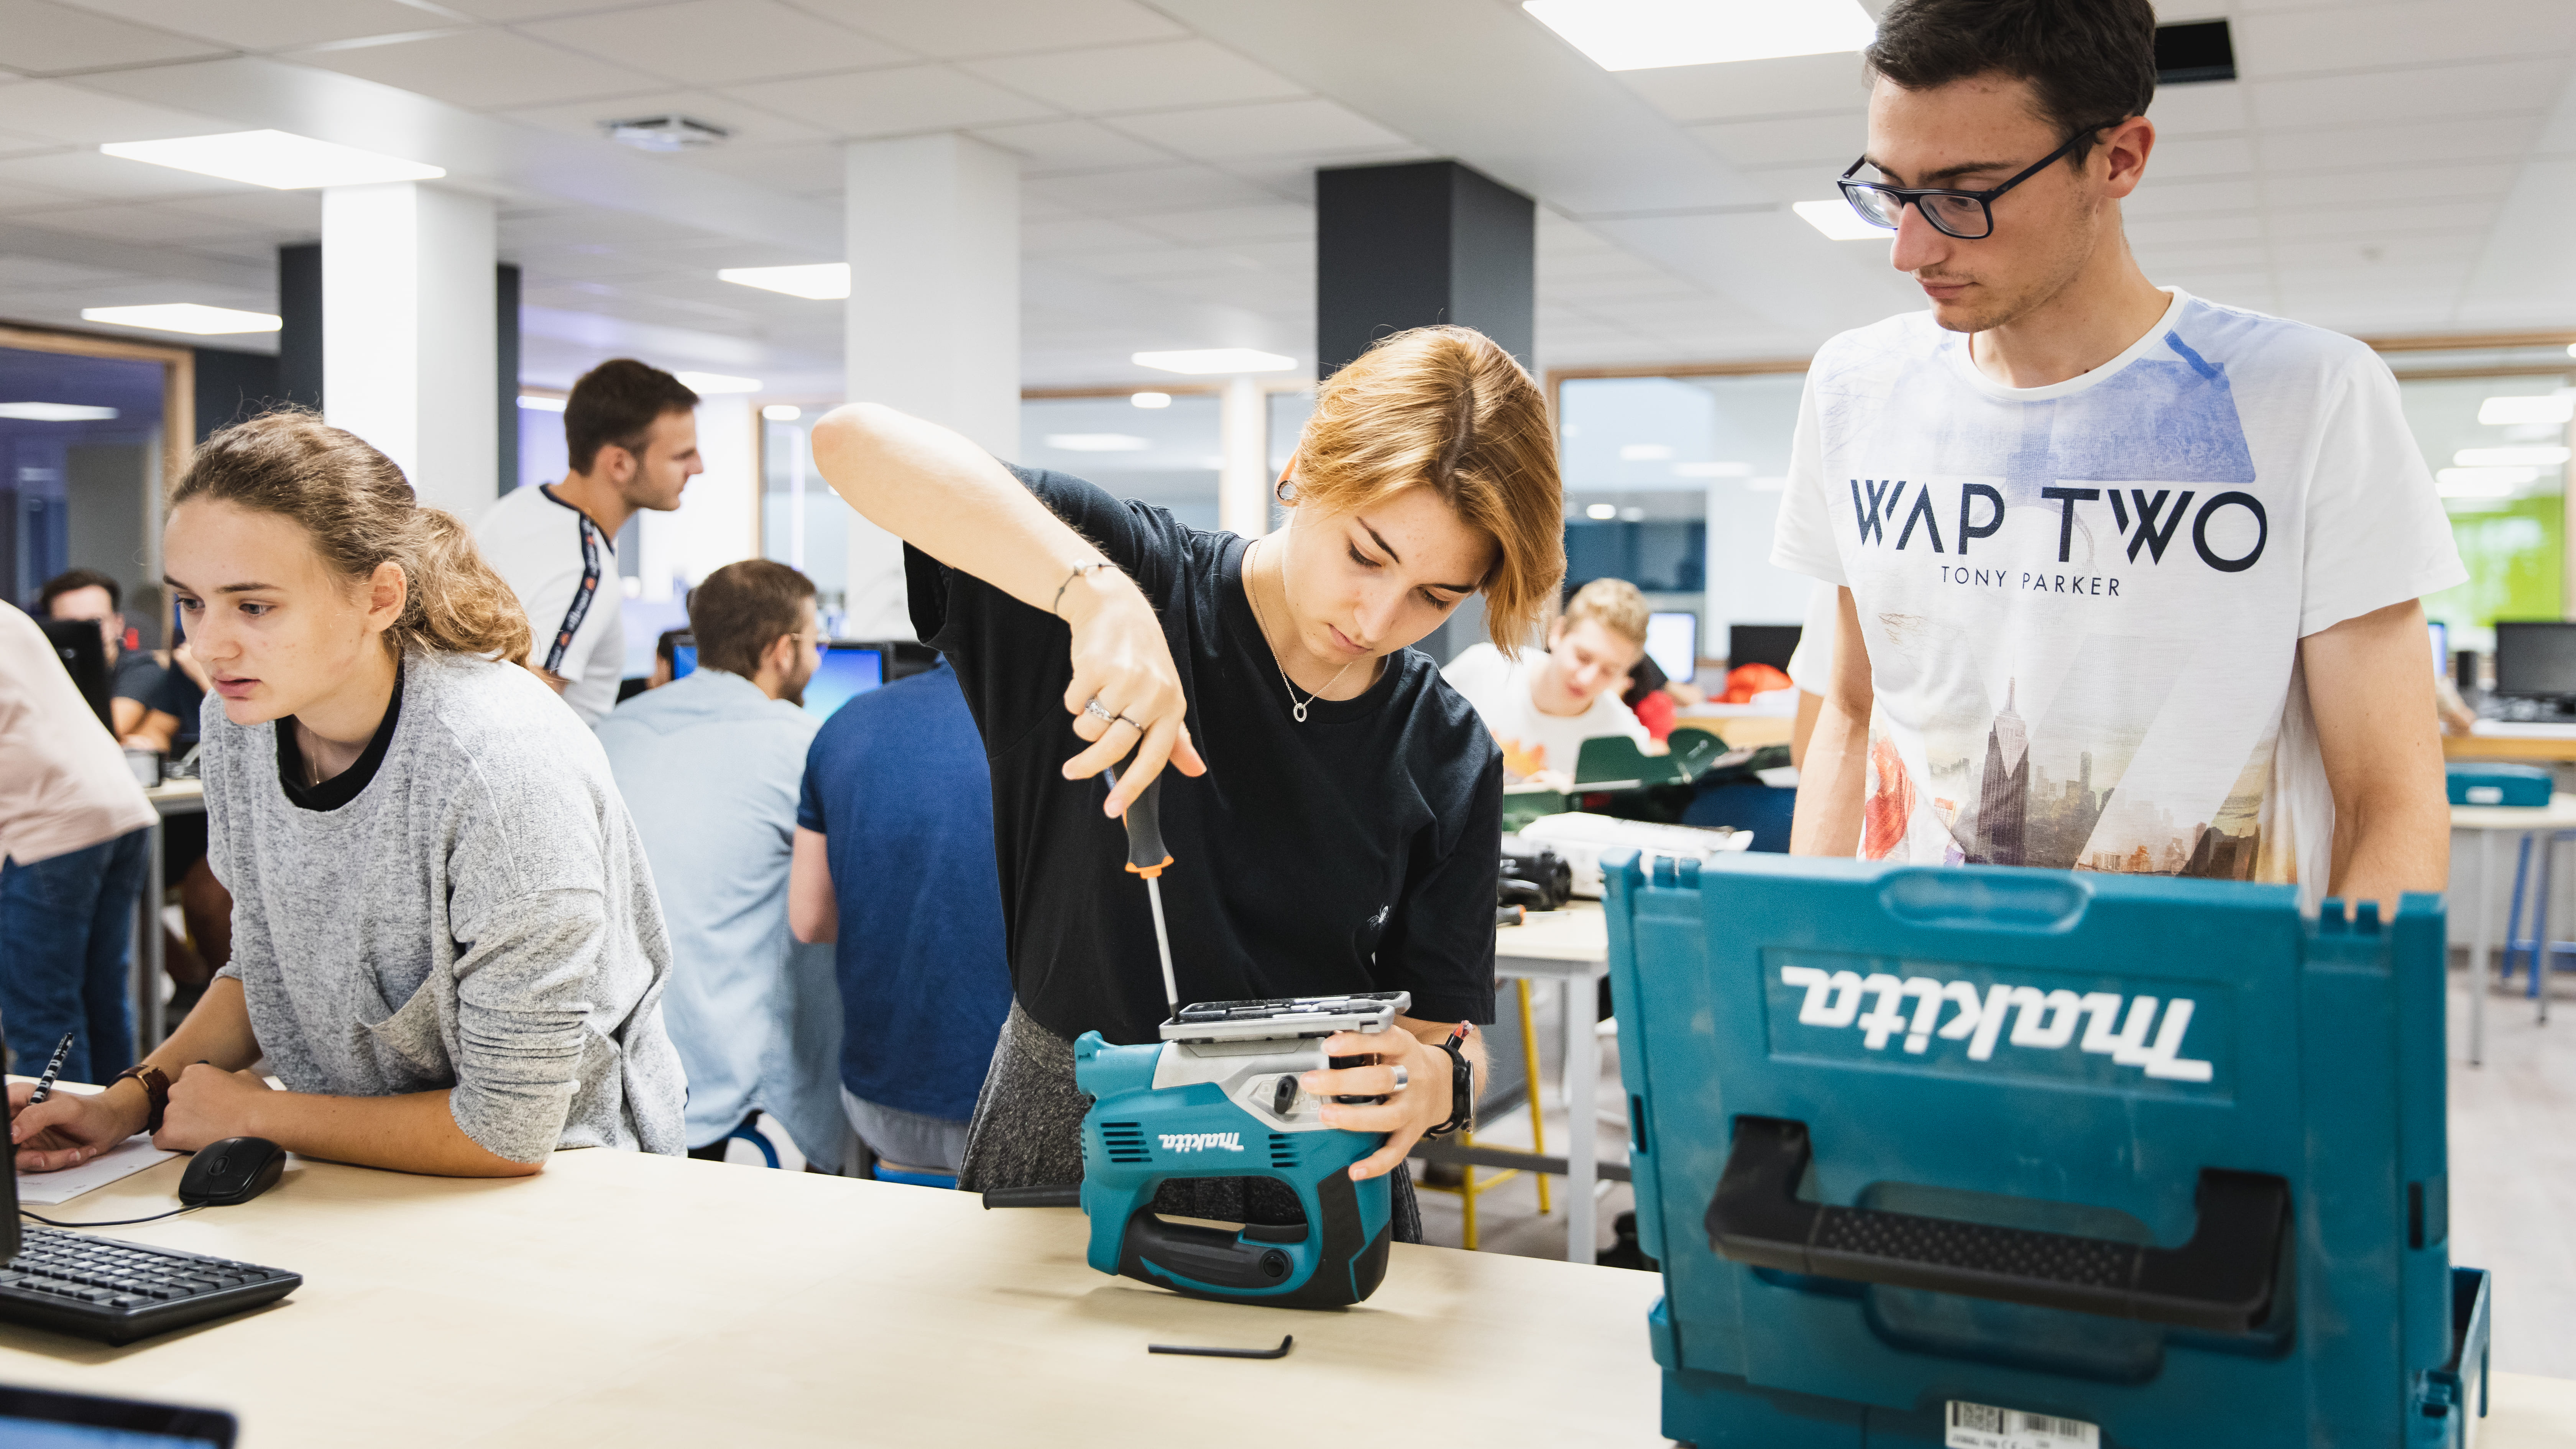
point(1163, 943)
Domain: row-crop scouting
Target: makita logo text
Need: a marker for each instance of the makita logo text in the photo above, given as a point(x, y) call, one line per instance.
point(1202, 1141)
point(2041, 1020)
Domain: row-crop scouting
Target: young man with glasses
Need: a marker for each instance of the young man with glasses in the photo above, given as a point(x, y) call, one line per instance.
point(2127, 579)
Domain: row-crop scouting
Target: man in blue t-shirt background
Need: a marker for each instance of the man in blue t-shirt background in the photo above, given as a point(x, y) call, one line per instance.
point(894, 865)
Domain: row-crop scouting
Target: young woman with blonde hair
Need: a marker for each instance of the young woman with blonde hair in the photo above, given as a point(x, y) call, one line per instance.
point(445, 939)
point(1337, 830)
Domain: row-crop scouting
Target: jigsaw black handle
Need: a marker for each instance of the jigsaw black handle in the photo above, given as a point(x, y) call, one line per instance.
point(1146, 855)
point(2221, 1281)
point(1207, 1262)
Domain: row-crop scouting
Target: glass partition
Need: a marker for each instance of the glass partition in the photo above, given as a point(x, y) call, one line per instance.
point(1169, 454)
point(2498, 448)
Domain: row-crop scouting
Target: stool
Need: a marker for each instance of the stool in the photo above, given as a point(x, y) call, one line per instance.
point(2540, 954)
point(751, 1134)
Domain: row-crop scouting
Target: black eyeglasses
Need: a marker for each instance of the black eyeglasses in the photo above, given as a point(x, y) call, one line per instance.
point(1967, 215)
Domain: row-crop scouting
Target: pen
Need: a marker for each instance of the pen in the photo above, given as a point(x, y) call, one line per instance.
point(53, 1069)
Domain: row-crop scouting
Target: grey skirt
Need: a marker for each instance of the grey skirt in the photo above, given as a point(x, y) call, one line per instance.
point(1027, 1132)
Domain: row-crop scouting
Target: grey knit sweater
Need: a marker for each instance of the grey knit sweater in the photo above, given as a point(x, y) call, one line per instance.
point(479, 918)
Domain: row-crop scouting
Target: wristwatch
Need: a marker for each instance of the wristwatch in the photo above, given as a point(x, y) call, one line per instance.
point(156, 1088)
point(1462, 1086)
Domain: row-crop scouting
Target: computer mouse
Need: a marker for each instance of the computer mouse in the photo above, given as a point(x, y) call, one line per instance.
point(234, 1170)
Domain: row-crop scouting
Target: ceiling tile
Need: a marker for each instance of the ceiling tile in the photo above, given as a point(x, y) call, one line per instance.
point(272, 24)
point(2428, 143)
point(1271, 128)
point(16, 193)
point(2189, 198)
point(1830, 140)
point(891, 102)
point(1148, 189)
point(483, 70)
point(2239, 256)
point(2490, 89)
point(2184, 231)
point(1081, 234)
point(67, 112)
point(1071, 146)
point(143, 223)
point(803, 168)
point(2361, 220)
point(2349, 37)
point(1791, 85)
point(2341, 191)
point(714, 42)
point(1150, 263)
point(298, 212)
point(47, 37)
point(2210, 156)
point(748, 125)
point(2369, 250)
point(1137, 77)
point(2191, 110)
point(994, 27)
point(1277, 222)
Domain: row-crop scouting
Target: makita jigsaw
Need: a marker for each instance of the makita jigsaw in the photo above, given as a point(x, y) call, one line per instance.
point(1218, 1097)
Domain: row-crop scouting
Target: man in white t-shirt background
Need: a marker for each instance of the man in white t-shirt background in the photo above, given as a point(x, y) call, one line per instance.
point(631, 443)
point(1542, 705)
point(2126, 580)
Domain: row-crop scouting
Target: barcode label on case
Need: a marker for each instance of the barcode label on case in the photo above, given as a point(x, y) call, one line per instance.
point(1983, 1426)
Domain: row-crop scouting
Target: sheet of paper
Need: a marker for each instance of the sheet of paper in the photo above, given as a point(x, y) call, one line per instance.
point(123, 1160)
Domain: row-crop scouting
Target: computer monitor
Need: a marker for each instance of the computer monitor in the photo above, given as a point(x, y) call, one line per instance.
point(1672, 641)
point(684, 660)
point(2441, 647)
point(83, 650)
point(43, 1419)
point(1770, 644)
point(2535, 658)
point(847, 669)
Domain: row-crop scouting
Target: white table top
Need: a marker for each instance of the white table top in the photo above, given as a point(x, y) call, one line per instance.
point(1578, 935)
point(2558, 814)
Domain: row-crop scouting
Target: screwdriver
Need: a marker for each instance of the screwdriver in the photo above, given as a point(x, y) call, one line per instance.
point(1146, 856)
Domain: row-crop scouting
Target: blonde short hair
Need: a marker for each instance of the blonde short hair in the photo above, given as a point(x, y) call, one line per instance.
point(1447, 409)
point(1616, 603)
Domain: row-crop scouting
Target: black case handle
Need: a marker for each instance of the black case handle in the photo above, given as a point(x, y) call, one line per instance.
point(2220, 1282)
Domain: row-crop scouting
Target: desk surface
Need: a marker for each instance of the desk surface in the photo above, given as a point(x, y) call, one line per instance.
point(2558, 814)
point(1579, 933)
point(634, 1301)
point(640, 1301)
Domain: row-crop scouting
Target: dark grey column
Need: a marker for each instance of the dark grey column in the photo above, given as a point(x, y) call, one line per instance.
point(1418, 244)
point(232, 386)
point(299, 334)
point(505, 294)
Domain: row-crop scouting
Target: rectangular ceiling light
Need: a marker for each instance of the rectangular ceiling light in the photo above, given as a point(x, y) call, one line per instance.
point(2547, 407)
point(1097, 442)
point(822, 281)
point(707, 384)
point(1836, 219)
point(1215, 359)
point(1652, 34)
point(2542, 455)
point(277, 159)
point(44, 412)
point(188, 317)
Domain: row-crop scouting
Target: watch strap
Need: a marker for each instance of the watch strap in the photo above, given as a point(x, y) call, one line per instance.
point(1462, 1087)
point(156, 1089)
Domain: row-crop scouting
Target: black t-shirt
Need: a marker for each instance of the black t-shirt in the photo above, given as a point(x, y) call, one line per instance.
point(1354, 852)
point(343, 787)
point(138, 674)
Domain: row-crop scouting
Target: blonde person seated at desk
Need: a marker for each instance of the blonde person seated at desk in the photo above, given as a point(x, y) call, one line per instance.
point(1542, 706)
point(445, 940)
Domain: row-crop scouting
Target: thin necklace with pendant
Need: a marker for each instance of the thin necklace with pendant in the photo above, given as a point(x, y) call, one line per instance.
point(1296, 707)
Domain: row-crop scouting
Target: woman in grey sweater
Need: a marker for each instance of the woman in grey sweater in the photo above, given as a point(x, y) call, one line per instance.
point(445, 938)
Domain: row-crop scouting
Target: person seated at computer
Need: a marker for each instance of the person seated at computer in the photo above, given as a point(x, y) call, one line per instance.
point(73, 824)
point(445, 937)
point(89, 594)
point(1543, 704)
point(1340, 833)
point(709, 765)
point(894, 867)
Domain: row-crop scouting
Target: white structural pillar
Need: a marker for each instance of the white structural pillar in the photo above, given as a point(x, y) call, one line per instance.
point(933, 318)
point(409, 334)
point(1243, 489)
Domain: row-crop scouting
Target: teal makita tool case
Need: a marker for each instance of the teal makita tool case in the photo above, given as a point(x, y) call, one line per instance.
point(2023, 1159)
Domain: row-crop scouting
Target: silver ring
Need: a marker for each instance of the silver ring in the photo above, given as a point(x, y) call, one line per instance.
point(1403, 1078)
point(1093, 708)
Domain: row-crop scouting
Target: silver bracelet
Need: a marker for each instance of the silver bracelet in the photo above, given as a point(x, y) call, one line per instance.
point(1054, 606)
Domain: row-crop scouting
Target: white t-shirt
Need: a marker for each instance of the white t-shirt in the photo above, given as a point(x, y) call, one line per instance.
point(1499, 688)
point(564, 570)
point(64, 785)
point(1811, 664)
point(2083, 602)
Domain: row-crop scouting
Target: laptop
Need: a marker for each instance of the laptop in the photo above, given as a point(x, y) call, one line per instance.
point(44, 1419)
